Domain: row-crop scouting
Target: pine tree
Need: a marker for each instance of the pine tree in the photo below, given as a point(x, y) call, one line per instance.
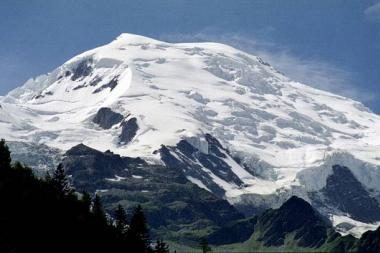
point(120, 219)
point(98, 211)
point(60, 181)
point(18, 166)
point(5, 156)
point(48, 177)
point(86, 199)
point(23, 171)
point(138, 233)
point(161, 247)
point(64, 223)
point(204, 246)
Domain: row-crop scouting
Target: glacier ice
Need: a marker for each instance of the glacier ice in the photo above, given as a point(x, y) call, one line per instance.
point(284, 134)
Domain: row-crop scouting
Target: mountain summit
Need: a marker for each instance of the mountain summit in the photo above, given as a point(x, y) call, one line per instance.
point(236, 126)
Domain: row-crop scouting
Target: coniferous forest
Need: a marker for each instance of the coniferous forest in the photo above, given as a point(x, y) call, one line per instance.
point(46, 215)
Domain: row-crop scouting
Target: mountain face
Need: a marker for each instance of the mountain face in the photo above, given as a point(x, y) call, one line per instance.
point(176, 209)
point(232, 124)
point(297, 216)
point(370, 242)
point(297, 227)
point(342, 187)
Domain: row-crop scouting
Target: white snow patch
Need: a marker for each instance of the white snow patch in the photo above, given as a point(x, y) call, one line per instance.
point(198, 183)
point(289, 133)
point(345, 225)
point(116, 179)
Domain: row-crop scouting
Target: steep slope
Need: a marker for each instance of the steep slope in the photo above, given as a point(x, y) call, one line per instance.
point(236, 126)
point(176, 209)
point(342, 187)
point(296, 216)
point(370, 242)
point(295, 227)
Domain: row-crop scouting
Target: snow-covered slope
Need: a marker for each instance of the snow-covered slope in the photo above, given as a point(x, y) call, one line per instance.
point(278, 137)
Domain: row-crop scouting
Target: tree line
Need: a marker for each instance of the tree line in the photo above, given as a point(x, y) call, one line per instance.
point(47, 215)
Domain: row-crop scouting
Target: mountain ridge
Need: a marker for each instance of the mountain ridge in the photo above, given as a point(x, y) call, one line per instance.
point(274, 137)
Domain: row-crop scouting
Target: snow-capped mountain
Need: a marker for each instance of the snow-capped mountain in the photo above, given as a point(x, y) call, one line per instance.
point(235, 125)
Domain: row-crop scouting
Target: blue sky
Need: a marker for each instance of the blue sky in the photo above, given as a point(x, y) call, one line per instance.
point(329, 44)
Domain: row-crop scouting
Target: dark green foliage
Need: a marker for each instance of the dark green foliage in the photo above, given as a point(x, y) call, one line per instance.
point(45, 215)
point(161, 247)
point(175, 208)
point(342, 244)
point(204, 245)
point(233, 232)
point(22, 169)
point(5, 156)
point(138, 233)
point(60, 182)
point(86, 199)
point(120, 219)
point(39, 215)
point(98, 211)
point(294, 216)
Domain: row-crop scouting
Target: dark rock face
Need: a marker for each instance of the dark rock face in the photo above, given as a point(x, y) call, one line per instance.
point(128, 131)
point(95, 81)
point(294, 216)
point(49, 93)
point(83, 69)
point(89, 167)
point(369, 242)
point(170, 201)
point(189, 158)
point(111, 84)
point(79, 87)
point(297, 227)
point(106, 118)
point(345, 192)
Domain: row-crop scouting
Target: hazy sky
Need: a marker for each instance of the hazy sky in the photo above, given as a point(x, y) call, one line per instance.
point(331, 44)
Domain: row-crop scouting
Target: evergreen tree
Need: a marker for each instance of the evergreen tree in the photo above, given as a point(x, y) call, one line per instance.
point(86, 199)
point(48, 177)
point(60, 181)
point(98, 211)
point(22, 169)
point(54, 218)
point(138, 233)
point(24, 174)
point(161, 247)
point(204, 246)
point(5, 156)
point(120, 219)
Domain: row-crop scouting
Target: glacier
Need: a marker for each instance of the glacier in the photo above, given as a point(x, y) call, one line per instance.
point(277, 137)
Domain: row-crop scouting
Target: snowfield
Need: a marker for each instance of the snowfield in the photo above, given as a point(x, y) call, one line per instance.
point(289, 132)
